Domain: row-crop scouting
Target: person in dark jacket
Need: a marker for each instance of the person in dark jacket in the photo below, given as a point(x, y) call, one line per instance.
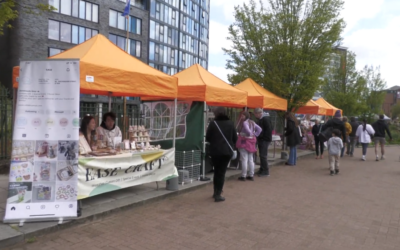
point(380, 128)
point(336, 123)
point(319, 145)
point(354, 126)
point(263, 140)
point(220, 152)
point(293, 138)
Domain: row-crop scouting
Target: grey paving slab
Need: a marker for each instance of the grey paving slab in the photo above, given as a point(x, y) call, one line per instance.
point(97, 207)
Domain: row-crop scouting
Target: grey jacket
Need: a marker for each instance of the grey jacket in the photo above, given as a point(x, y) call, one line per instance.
point(335, 145)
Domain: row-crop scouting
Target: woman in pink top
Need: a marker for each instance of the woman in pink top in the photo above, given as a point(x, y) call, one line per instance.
point(246, 144)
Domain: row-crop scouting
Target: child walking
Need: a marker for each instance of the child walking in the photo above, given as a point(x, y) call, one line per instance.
point(335, 145)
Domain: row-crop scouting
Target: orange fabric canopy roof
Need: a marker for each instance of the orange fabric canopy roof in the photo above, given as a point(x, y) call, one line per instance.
point(258, 97)
point(311, 108)
point(330, 109)
point(115, 71)
point(197, 84)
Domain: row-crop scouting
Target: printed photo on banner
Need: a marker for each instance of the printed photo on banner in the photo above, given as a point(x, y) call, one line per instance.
point(46, 150)
point(66, 191)
point(44, 171)
point(19, 192)
point(43, 192)
point(21, 171)
point(23, 151)
point(68, 150)
point(67, 171)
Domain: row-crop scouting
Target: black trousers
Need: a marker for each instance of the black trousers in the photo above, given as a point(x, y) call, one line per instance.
point(263, 151)
point(220, 163)
point(319, 146)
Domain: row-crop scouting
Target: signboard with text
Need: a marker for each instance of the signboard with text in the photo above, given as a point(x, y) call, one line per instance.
point(44, 162)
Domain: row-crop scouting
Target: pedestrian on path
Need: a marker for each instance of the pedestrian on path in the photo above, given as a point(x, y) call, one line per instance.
point(354, 125)
point(335, 145)
point(219, 133)
point(336, 123)
point(264, 139)
point(319, 145)
point(380, 128)
point(349, 129)
point(246, 144)
point(293, 137)
point(364, 134)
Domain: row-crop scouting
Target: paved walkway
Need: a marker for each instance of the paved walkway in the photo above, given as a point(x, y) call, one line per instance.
point(295, 208)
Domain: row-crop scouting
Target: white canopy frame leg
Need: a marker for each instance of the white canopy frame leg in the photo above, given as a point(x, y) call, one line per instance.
point(175, 113)
point(109, 101)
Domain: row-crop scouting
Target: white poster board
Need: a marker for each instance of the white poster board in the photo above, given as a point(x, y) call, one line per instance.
point(44, 161)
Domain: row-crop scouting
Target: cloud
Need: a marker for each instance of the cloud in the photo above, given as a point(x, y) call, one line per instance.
point(356, 10)
point(228, 7)
point(218, 37)
point(220, 72)
point(378, 47)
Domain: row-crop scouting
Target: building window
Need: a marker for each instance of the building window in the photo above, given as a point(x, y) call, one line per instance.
point(134, 47)
point(77, 8)
point(69, 33)
point(54, 51)
point(118, 21)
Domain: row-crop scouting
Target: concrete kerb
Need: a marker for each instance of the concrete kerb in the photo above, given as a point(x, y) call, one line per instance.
point(30, 230)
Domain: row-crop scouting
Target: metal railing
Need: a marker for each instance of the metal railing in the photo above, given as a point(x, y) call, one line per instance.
point(6, 120)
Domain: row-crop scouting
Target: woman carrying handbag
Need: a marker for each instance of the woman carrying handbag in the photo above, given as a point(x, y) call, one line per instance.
point(221, 134)
point(246, 144)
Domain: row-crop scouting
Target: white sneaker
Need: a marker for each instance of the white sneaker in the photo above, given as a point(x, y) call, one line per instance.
point(382, 157)
point(363, 158)
point(377, 158)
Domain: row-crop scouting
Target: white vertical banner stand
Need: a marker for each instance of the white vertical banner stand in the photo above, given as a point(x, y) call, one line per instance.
point(175, 113)
point(43, 180)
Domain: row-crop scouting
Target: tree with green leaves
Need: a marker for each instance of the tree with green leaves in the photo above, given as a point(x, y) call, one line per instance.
point(9, 11)
point(344, 84)
point(284, 45)
point(375, 94)
point(395, 111)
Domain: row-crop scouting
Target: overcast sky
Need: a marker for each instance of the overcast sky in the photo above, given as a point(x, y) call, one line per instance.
point(372, 32)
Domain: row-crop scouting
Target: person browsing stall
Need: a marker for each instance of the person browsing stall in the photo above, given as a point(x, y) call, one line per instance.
point(108, 129)
point(264, 139)
point(246, 144)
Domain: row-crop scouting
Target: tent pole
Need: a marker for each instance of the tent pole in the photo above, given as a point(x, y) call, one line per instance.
point(109, 101)
point(204, 178)
point(174, 132)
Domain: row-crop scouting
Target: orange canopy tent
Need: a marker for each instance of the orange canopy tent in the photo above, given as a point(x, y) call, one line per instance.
point(258, 97)
point(330, 109)
point(115, 72)
point(311, 108)
point(197, 84)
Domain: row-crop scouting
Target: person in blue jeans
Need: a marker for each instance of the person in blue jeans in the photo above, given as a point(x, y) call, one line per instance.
point(293, 138)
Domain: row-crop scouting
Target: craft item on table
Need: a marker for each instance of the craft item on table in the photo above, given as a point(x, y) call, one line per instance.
point(133, 145)
point(117, 140)
point(146, 133)
point(135, 127)
point(43, 193)
point(127, 145)
point(158, 146)
point(147, 144)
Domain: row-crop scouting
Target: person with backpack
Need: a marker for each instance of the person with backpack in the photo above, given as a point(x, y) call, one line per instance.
point(364, 134)
point(336, 123)
point(354, 125)
point(380, 128)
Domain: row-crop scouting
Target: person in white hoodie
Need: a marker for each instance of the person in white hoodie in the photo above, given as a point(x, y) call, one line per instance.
point(364, 134)
point(335, 145)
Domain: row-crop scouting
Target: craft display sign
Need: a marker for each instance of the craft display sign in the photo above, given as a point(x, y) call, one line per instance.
point(44, 160)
